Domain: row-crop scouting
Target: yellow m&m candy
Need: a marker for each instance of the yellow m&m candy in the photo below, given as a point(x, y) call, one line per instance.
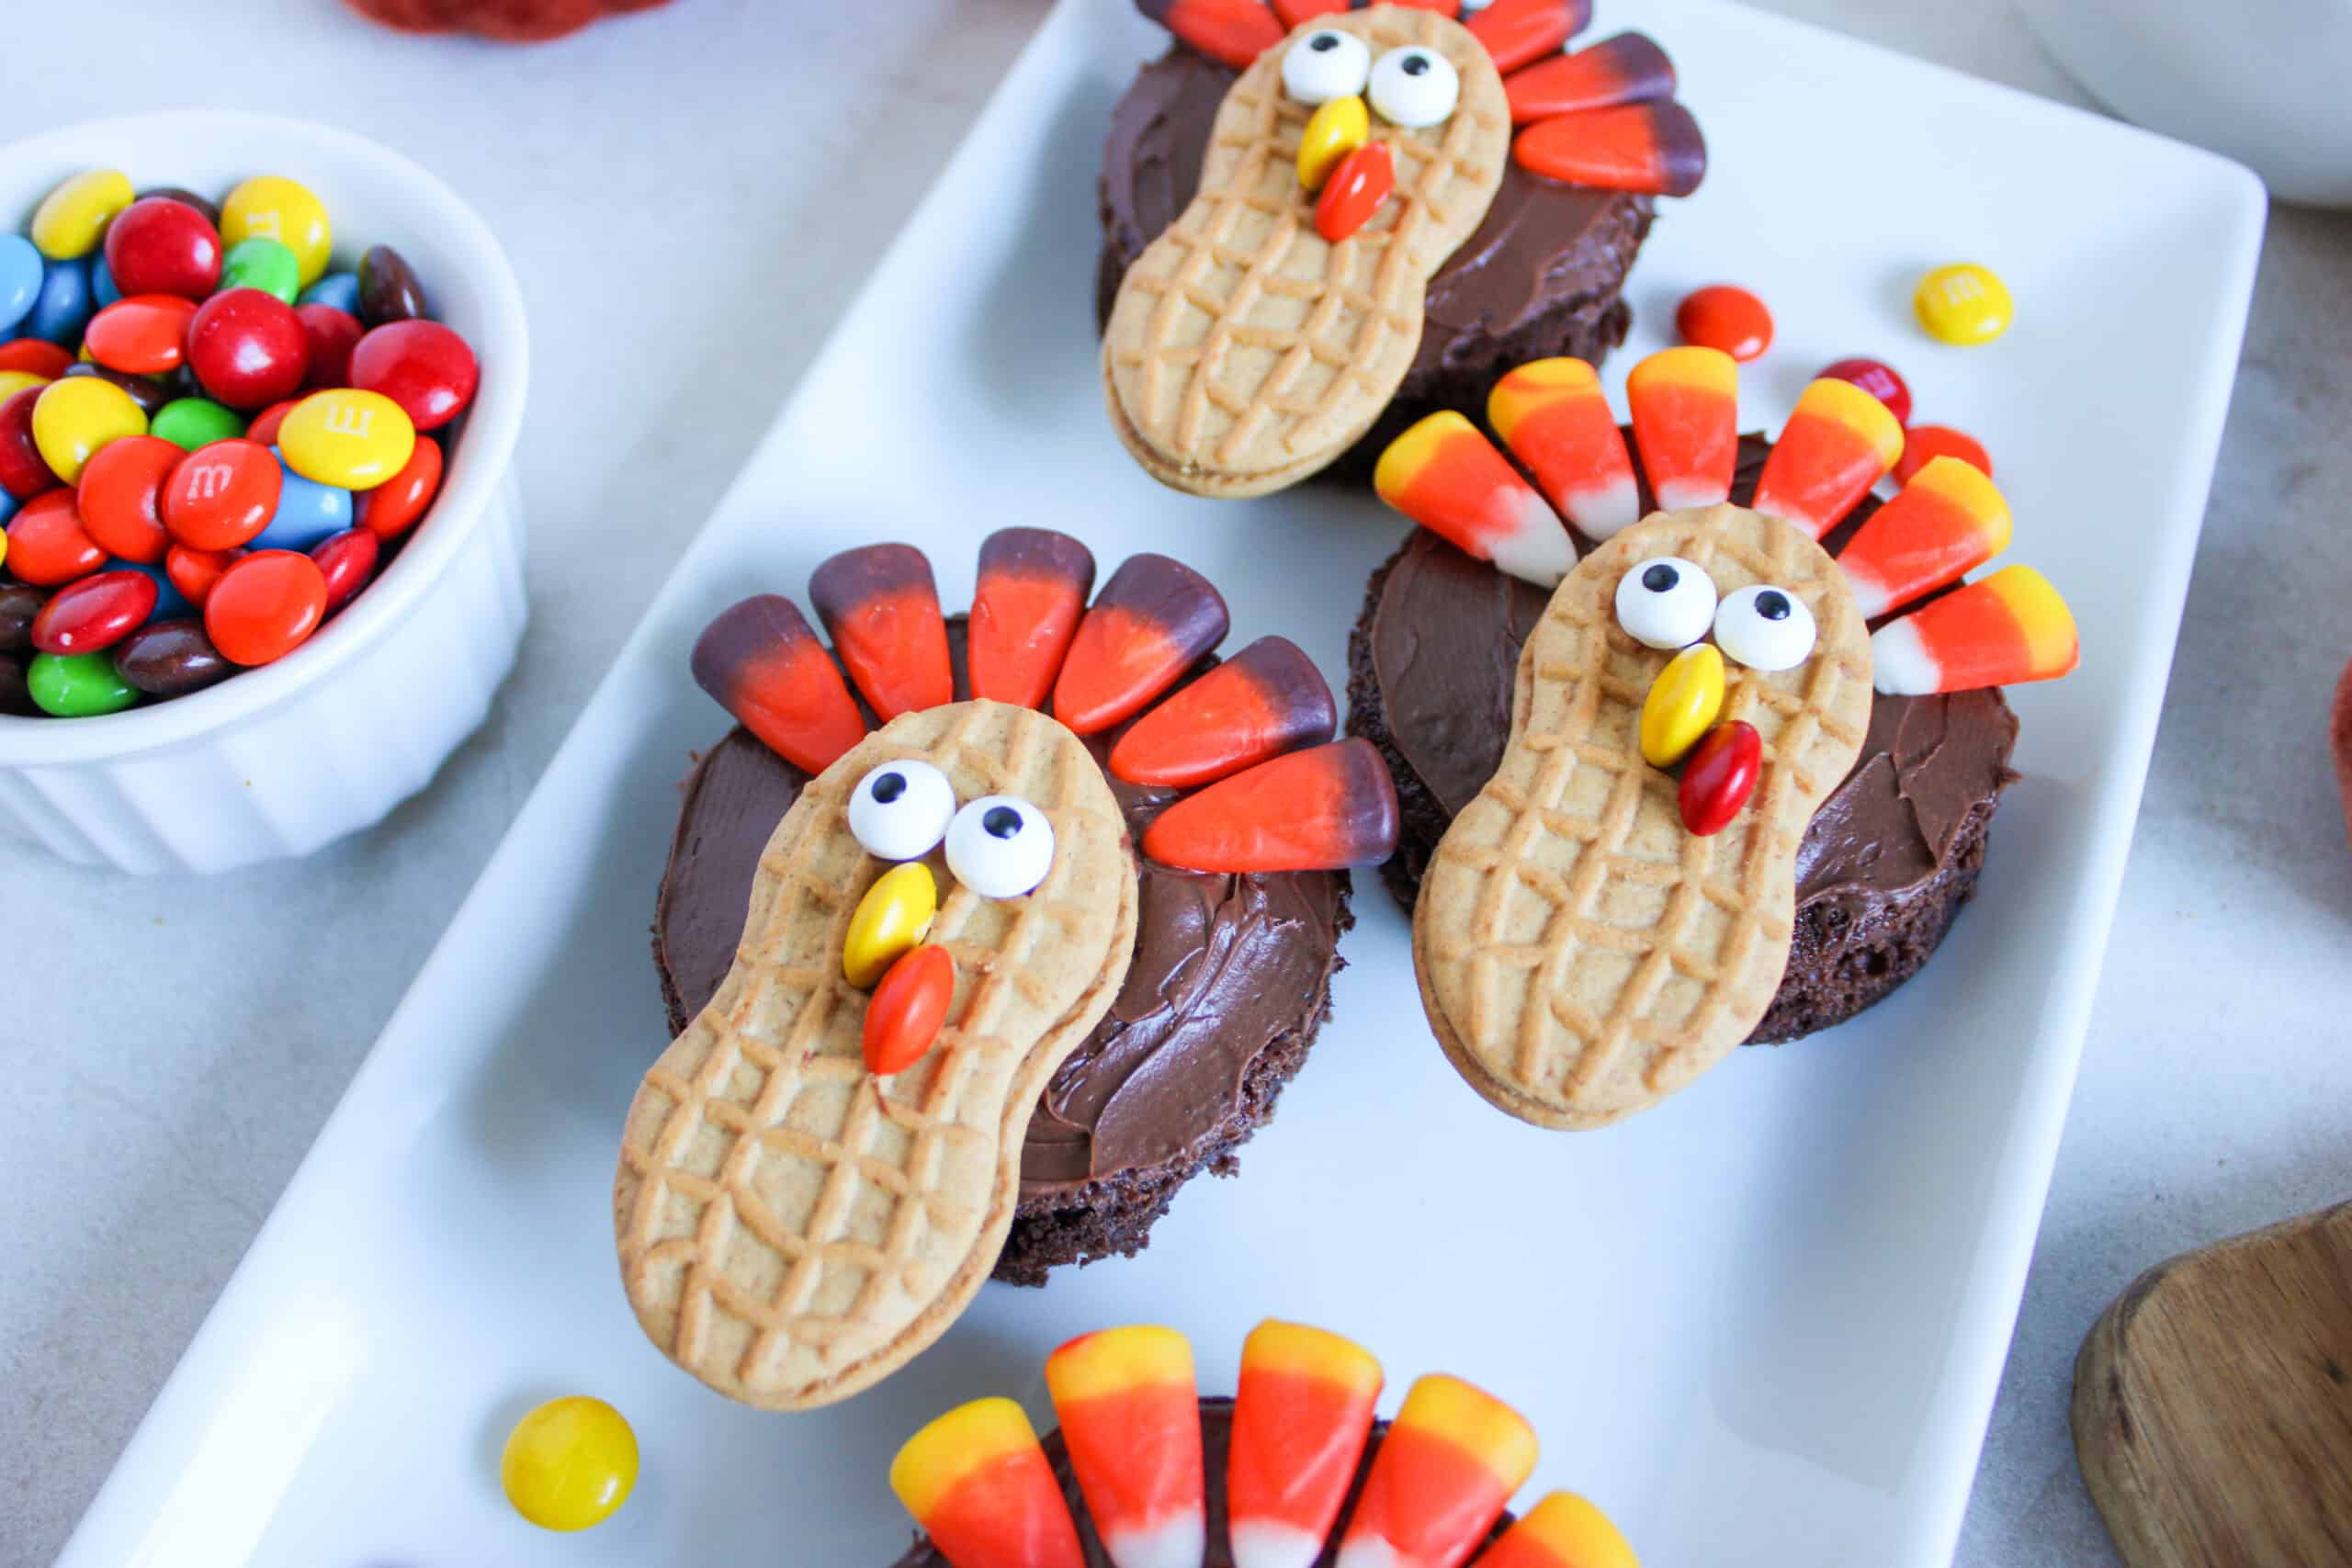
point(1963, 303)
point(271, 207)
point(570, 1463)
point(74, 417)
point(14, 381)
point(347, 438)
point(73, 218)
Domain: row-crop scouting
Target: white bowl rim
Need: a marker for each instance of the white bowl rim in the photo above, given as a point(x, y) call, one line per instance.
point(493, 424)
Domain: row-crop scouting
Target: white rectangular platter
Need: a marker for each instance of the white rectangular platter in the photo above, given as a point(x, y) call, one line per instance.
point(1762, 1324)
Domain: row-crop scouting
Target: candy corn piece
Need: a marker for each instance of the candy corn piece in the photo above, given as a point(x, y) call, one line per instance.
point(1654, 149)
point(1552, 415)
point(1300, 1417)
point(1946, 522)
point(1326, 809)
point(978, 1485)
point(1025, 608)
point(1445, 476)
point(1839, 443)
point(1628, 69)
point(1685, 403)
point(1265, 700)
point(1561, 1531)
point(1450, 1460)
point(882, 612)
point(1235, 31)
point(1131, 1416)
point(1150, 622)
point(2010, 627)
point(1294, 12)
point(760, 662)
point(1516, 31)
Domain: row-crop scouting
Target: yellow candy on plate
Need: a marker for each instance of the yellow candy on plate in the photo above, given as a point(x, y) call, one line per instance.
point(73, 218)
point(73, 418)
point(1963, 303)
point(570, 1463)
point(347, 438)
point(271, 207)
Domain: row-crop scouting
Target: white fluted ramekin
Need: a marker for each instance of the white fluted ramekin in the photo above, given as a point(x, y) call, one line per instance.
point(281, 759)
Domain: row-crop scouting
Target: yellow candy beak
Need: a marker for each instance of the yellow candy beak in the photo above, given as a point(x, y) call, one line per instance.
point(1334, 130)
point(1683, 704)
point(893, 918)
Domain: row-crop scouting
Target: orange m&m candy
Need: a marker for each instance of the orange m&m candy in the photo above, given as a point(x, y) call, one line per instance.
point(1725, 316)
point(221, 495)
point(121, 497)
point(265, 606)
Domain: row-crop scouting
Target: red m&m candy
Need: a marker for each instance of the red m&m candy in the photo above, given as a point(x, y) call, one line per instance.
point(95, 613)
point(333, 335)
point(247, 348)
point(194, 572)
point(1879, 380)
point(221, 495)
point(347, 560)
point(264, 429)
point(121, 497)
point(265, 606)
point(37, 356)
point(23, 473)
point(159, 245)
point(143, 334)
point(420, 365)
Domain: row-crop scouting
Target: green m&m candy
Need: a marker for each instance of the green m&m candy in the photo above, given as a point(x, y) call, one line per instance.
point(78, 685)
point(263, 264)
point(190, 423)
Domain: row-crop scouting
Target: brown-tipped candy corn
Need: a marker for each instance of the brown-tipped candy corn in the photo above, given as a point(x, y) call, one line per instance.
point(1450, 1460)
point(1445, 476)
point(1562, 1531)
point(1295, 12)
point(1326, 809)
point(1947, 521)
point(760, 662)
point(2009, 629)
point(1650, 148)
point(880, 608)
point(1150, 622)
point(1267, 699)
point(1628, 69)
point(1837, 443)
point(1025, 608)
point(1685, 407)
point(1131, 1418)
point(1235, 31)
point(977, 1483)
point(1556, 420)
point(903, 1016)
point(1516, 31)
point(1301, 1413)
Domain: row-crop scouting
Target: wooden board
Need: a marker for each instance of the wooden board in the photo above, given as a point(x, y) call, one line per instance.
point(2214, 1403)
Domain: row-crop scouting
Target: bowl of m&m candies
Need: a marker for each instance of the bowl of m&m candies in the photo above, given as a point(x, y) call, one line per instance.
point(260, 554)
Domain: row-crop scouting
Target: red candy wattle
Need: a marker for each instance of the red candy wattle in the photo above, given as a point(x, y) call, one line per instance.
point(420, 365)
point(158, 245)
point(1365, 178)
point(247, 348)
point(1718, 777)
point(509, 21)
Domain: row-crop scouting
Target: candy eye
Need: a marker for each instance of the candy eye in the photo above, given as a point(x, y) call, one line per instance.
point(1764, 628)
point(1000, 846)
point(1324, 65)
point(900, 810)
point(1665, 602)
point(1414, 87)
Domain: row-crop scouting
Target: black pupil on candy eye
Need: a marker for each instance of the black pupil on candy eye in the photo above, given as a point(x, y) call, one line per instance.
point(1772, 607)
point(889, 787)
point(1002, 821)
point(1661, 577)
point(1416, 65)
point(1323, 43)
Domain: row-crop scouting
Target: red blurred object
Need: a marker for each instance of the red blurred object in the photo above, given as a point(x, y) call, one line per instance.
point(2339, 731)
point(509, 21)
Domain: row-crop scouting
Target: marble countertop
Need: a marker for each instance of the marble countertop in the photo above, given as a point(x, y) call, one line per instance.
point(174, 1045)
